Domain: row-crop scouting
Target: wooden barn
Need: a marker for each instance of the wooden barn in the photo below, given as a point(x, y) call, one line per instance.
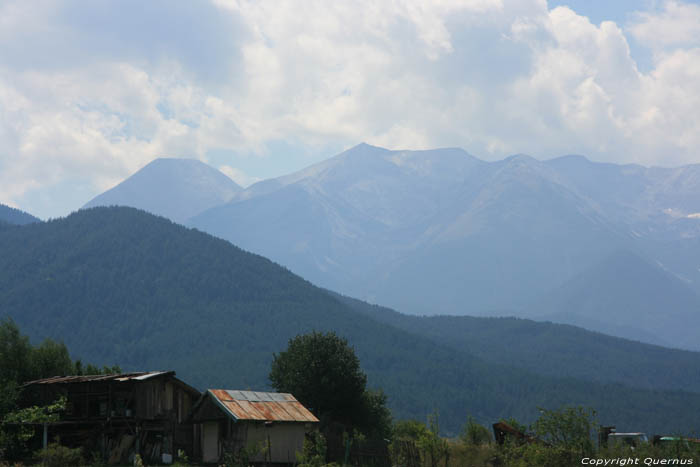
point(119, 415)
point(270, 425)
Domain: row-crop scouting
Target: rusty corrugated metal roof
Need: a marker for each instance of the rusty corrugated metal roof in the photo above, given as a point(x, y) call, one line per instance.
point(261, 406)
point(137, 376)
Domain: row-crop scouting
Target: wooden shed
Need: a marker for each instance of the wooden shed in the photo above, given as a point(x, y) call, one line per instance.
point(271, 425)
point(120, 415)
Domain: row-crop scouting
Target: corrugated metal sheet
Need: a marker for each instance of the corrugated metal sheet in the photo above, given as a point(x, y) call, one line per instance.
point(139, 376)
point(261, 406)
point(151, 374)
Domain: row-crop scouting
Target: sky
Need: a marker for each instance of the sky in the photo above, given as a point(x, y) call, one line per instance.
point(92, 91)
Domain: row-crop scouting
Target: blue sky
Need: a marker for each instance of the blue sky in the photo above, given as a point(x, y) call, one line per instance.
point(92, 91)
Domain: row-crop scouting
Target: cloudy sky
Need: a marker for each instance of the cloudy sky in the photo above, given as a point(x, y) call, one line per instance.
point(92, 91)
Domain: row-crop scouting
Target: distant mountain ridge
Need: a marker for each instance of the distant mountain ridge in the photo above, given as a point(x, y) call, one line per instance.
point(442, 232)
point(386, 226)
point(122, 286)
point(174, 188)
point(15, 216)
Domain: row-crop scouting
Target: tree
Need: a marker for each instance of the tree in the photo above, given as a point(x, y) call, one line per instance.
point(570, 427)
point(15, 364)
point(20, 362)
point(433, 448)
point(411, 434)
point(51, 358)
point(567, 434)
point(475, 434)
point(323, 373)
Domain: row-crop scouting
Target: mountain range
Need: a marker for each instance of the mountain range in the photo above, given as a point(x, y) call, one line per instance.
point(442, 232)
point(119, 285)
point(421, 231)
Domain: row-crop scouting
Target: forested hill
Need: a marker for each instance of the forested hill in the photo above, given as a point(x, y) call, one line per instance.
point(550, 348)
point(14, 216)
point(121, 286)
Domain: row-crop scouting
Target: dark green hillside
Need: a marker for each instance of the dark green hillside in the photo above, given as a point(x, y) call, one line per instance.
point(121, 286)
point(551, 349)
point(15, 216)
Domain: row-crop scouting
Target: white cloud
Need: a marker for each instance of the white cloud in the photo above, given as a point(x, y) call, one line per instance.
point(84, 99)
point(677, 25)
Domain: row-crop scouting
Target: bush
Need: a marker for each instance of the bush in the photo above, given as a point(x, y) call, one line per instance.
point(244, 456)
point(433, 448)
point(314, 452)
point(472, 455)
point(475, 434)
point(570, 428)
point(56, 455)
point(414, 442)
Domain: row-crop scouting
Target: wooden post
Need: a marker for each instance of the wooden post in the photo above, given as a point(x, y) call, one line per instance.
point(46, 435)
point(269, 448)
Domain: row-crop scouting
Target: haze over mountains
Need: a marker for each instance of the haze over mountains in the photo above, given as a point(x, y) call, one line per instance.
point(442, 232)
point(421, 231)
point(629, 297)
point(175, 188)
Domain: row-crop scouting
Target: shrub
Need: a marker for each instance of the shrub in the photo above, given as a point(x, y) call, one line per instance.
point(56, 455)
point(314, 451)
point(474, 433)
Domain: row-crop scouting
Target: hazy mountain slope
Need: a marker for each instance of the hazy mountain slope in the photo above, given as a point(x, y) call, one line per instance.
point(646, 200)
point(618, 190)
point(425, 231)
point(15, 216)
point(521, 233)
point(551, 349)
point(680, 257)
point(658, 207)
point(627, 294)
point(119, 285)
point(174, 188)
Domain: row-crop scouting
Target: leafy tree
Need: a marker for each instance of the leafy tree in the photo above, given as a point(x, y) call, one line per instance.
point(473, 433)
point(314, 451)
point(408, 430)
point(15, 364)
point(322, 371)
point(91, 369)
point(21, 362)
point(17, 427)
point(433, 448)
point(570, 427)
point(51, 358)
point(375, 418)
point(564, 439)
point(37, 414)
